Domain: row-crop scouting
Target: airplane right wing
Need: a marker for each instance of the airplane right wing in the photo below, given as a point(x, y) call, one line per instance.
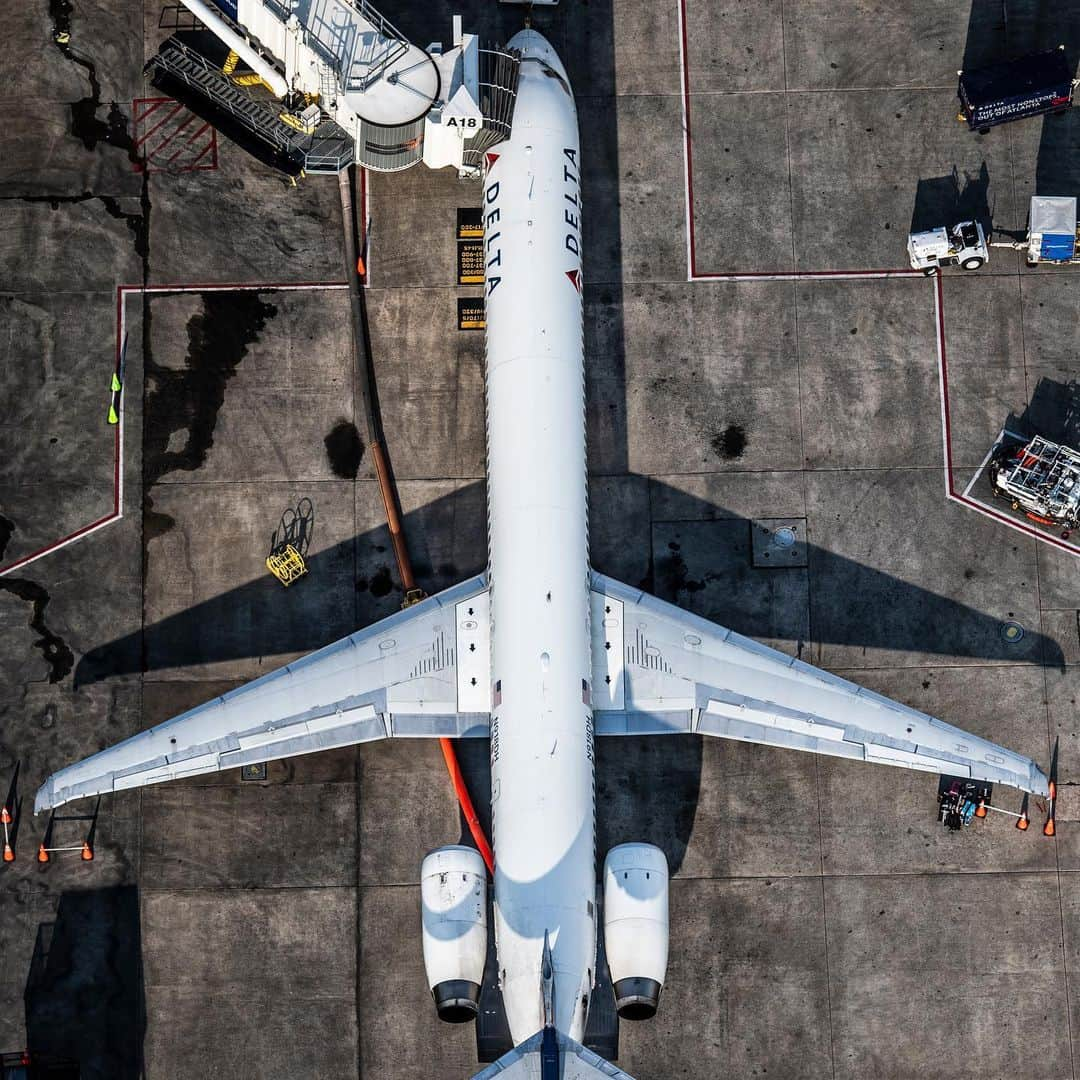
point(659, 669)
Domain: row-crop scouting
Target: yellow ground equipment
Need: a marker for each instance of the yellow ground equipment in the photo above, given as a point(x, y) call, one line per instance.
point(286, 565)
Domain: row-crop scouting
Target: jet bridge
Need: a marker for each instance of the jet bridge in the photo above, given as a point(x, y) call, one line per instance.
point(321, 84)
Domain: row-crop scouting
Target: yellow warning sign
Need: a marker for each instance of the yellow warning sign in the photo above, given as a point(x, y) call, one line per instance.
point(470, 262)
point(470, 223)
point(470, 313)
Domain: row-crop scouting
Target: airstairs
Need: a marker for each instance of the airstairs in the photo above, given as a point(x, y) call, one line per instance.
point(328, 149)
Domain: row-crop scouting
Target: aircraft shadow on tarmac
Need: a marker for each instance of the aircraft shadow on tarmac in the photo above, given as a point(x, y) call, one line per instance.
point(84, 997)
point(1053, 411)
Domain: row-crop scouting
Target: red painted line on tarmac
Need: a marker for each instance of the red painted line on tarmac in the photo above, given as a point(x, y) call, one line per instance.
point(142, 138)
point(187, 145)
point(154, 103)
point(790, 275)
point(161, 145)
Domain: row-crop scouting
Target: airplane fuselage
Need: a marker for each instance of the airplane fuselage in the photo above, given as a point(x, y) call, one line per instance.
point(543, 816)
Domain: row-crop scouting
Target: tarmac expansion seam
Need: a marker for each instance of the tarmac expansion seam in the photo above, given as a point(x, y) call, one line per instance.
point(693, 274)
point(122, 293)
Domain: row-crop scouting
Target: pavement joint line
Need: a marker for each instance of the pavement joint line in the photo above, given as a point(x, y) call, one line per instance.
point(693, 275)
point(122, 293)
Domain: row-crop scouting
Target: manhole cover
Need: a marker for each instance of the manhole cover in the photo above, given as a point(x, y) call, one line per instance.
point(1012, 633)
point(784, 537)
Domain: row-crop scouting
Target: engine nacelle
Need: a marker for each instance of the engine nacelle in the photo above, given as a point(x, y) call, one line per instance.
point(453, 901)
point(636, 927)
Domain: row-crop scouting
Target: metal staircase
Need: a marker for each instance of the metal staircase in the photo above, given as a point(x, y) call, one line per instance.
point(498, 78)
point(328, 149)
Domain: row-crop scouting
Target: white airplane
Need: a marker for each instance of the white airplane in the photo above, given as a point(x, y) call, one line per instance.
point(542, 653)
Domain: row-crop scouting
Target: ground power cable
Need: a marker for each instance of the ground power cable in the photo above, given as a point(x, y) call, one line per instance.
point(354, 269)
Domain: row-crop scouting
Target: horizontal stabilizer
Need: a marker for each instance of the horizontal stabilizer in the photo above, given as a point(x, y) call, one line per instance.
point(526, 1062)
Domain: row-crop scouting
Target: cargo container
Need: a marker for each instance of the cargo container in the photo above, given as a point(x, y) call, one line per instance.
point(1015, 89)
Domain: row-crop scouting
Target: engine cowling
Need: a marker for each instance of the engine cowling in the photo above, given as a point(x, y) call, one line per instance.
point(453, 901)
point(636, 927)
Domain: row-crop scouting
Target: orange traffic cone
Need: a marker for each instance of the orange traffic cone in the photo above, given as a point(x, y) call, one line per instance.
point(87, 851)
point(361, 270)
point(1022, 821)
point(1048, 828)
point(42, 854)
point(980, 810)
point(9, 854)
point(5, 816)
point(1053, 790)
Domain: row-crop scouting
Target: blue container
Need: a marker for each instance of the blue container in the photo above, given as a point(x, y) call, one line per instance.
point(1057, 247)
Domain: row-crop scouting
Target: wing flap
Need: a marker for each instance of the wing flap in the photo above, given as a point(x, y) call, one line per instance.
point(682, 673)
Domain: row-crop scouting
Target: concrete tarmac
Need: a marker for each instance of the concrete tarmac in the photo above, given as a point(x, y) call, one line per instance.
point(823, 923)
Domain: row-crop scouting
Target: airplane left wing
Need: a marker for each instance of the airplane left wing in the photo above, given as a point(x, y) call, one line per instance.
point(658, 669)
point(424, 671)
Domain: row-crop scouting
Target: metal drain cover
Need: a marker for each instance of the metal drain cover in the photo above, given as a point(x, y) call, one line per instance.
point(778, 543)
point(1012, 633)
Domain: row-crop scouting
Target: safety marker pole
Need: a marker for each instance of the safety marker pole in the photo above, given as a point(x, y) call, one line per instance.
point(1049, 828)
point(9, 851)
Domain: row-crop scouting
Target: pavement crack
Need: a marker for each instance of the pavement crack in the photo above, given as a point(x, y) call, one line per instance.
point(53, 647)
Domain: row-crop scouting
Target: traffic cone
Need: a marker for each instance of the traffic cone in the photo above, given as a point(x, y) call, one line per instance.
point(1022, 821)
point(5, 816)
point(980, 810)
point(115, 383)
point(87, 851)
point(361, 270)
point(42, 854)
point(1048, 828)
point(1053, 790)
point(9, 854)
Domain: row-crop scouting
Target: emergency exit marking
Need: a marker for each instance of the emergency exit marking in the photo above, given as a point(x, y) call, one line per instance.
point(470, 262)
point(470, 313)
point(470, 223)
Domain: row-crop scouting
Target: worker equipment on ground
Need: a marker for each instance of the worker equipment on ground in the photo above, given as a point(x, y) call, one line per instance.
point(1053, 233)
point(115, 389)
point(286, 565)
point(960, 801)
point(1040, 478)
point(1027, 86)
point(962, 245)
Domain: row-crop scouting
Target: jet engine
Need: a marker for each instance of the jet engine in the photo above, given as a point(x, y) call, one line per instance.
point(636, 927)
point(453, 899)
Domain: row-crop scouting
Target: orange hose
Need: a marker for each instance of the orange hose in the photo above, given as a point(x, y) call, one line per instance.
point(385, 476)
point(467, 808)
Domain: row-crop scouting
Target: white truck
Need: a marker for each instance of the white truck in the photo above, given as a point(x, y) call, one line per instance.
point(962, 245)
point(1053, 236)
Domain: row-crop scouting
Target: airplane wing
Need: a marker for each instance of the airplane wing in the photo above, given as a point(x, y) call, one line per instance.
point(424, 671)
point(573, 1062)
point(658, 669)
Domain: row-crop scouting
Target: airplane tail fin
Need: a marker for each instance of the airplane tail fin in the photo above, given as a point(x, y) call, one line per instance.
point(533, 1060)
